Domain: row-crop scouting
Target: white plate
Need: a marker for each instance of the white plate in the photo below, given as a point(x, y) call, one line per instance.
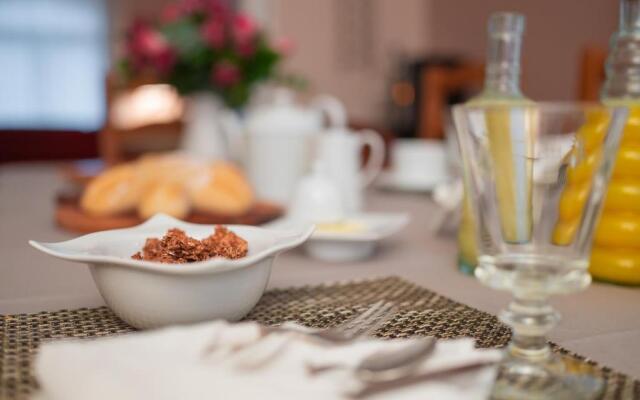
point(149, 294)
point(350, 246)
point(390, 181)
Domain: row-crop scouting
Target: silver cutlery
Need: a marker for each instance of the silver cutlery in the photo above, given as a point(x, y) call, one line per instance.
point(374, 388)
point(362, 325)
point(385, 365)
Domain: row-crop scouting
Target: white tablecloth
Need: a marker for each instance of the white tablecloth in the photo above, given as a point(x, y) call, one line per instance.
point(602, 322)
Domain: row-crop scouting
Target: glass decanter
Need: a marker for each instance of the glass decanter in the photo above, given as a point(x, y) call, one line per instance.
point(502, 86)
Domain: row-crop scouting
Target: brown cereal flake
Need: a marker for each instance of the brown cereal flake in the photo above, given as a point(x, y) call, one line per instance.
point(176, 247)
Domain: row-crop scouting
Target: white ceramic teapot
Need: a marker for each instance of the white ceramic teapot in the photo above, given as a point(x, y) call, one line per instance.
point(279, 137)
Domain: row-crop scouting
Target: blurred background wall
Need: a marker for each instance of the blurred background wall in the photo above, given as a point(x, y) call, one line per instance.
point(350, 47)
point(556, 33)
point(356, 50)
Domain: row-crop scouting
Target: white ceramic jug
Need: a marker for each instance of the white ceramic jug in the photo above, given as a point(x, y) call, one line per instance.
point(209, 127)
point(340, 151)
point(279, 138)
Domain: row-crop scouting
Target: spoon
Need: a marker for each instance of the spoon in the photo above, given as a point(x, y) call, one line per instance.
point(385, 365)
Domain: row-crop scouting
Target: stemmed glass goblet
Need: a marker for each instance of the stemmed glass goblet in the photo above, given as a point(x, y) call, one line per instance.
point(524, 165)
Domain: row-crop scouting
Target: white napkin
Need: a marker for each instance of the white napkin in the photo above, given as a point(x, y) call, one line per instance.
point(221, 360)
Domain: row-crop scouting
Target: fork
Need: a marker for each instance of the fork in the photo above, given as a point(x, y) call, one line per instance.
point(362, 325)
point(365, 323)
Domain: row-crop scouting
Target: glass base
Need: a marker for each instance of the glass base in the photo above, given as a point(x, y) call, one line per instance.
point(465, 267)
point(538, 275)
point(558, 378)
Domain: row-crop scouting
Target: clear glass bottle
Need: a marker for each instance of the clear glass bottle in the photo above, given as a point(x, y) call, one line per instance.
point(501, 86)
point(623, 64)
point(615, 255)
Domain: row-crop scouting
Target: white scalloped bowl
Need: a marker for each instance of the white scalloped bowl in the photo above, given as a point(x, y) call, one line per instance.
point(149, 294)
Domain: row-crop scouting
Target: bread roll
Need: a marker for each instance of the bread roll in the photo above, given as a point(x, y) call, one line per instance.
point(115, 191)
point(166, 197)
point(157, 168)
point(225, 191)
point(172, 184)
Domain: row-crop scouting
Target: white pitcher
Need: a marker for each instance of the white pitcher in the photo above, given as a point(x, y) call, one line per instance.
point(209, 126)
point(340, 151)
point(279, 139)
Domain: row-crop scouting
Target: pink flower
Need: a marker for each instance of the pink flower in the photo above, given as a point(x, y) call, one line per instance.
point(164, 62)
point(213, 32)
point(171, 13)
point(146, 41)
point(284, 46)
point(191, 6)
point(225, 74)
point(218, 9)
point(148, 47)
point(243, 29)
point(246, 49)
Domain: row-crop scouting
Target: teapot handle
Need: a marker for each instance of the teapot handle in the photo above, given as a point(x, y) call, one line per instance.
point(376, 155)
point(332, 108)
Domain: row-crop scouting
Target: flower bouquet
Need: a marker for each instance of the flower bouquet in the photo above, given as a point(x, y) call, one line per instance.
point(203, 46)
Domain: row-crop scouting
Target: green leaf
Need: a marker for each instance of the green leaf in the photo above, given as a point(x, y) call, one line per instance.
point(237, 95)
point(125, 69)
point(184, 37)
point(261, 65)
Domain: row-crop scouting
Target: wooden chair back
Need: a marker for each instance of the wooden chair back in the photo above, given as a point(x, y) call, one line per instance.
point(592, 74)
point(437, 85)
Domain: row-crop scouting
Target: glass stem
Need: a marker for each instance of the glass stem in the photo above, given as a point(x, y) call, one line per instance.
point(530, 318)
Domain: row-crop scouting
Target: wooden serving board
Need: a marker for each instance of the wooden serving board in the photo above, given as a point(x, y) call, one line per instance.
point(70, 216)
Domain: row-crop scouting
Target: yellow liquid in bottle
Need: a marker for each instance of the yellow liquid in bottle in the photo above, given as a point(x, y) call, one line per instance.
point(510, 155)
point(507, 148)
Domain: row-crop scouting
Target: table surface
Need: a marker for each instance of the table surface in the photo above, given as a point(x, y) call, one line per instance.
point(602, 322)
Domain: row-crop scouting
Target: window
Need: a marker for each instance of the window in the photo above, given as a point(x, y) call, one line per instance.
point(53, 62)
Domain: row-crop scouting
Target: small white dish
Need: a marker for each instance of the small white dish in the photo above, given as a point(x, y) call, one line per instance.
point(149, 294)
point(394, 182)
point(353, 244)
point(417, 165)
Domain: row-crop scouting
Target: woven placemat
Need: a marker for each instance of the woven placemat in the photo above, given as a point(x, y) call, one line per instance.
point(421, 312)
